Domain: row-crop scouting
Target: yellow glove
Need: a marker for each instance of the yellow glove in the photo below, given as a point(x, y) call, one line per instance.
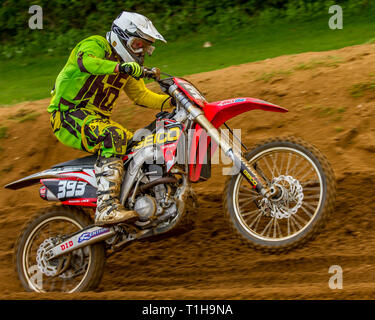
point(132, 69)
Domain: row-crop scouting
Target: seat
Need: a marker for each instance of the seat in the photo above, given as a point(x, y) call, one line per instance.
point(84, 162)
point(89, 161)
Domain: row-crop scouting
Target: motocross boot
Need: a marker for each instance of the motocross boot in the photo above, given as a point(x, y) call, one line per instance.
point(109, 173)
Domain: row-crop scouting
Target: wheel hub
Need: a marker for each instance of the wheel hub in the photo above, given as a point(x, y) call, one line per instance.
point(48, 267)
point(65, 266)
point(288, 200)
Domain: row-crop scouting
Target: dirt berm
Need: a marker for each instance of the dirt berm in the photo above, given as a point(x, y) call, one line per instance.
point(330, 97)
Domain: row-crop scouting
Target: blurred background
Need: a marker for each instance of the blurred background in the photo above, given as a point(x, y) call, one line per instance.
point(202, 35)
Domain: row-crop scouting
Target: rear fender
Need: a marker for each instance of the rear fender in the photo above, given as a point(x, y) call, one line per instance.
point(220, 111)
point(59, 173)
point(69, 190)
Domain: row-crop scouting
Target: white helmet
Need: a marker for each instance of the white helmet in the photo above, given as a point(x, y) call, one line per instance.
point(131, 36)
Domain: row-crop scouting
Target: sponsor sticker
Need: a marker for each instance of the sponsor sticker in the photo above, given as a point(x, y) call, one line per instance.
point(71, 188)
point(230, 101)
point(161, 137)
point(89, 235)
point(250, 178)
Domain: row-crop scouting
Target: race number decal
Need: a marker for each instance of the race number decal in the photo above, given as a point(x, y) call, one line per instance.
point(70, 189)
point(191, 91)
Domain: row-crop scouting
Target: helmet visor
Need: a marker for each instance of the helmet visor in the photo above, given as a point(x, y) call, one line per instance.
point(140, 46)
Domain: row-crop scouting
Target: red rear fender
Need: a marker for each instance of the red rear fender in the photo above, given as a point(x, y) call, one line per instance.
point(220, 111)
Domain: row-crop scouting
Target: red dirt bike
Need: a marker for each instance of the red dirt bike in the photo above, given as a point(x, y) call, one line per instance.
point(277, 197)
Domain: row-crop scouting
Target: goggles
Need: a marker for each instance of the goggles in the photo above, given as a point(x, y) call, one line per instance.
point(139, 46)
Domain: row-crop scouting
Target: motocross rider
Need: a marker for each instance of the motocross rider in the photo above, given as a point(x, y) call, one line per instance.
point(85, 93)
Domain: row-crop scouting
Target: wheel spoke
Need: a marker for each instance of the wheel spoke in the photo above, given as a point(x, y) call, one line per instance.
point(274, 161)
point(295, 221)
point(268, 166)
point(300, 219)
point(248, 190)
point(310, 183)
point(268, 227)
point(287, 167)
point(304, 210)
point(247, 199)
point(295, 166)
point(256, 220)
point(308, 205)
point(282, 158)
point(247, 214)
point(301, 170)
point(313, 196)
point(305, 175)
point(278, 225)
point(310, 188)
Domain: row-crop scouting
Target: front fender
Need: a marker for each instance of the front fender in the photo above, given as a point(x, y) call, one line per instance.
point(217, 113)
point(220, 111)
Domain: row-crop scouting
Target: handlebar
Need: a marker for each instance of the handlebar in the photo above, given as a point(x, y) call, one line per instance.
point(166, 84)
point(153, 73)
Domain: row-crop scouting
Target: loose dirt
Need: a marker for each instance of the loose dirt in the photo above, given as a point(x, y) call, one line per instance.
point(330, 97)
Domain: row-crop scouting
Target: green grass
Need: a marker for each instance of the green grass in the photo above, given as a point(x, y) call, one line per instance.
point(331, 111)
point(339, 129)
point(359, 89)
point(33, 77)
point(24, 115)
point(28, 80)
point(334, 114)
point(268, 76)
point(328, 61)
point(3, 132)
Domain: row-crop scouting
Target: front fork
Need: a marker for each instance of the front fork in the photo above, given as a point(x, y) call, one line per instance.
point(240, 162)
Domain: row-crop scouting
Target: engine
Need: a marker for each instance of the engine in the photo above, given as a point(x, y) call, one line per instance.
point(160, 207)
point(146, 207)
point(158, 204)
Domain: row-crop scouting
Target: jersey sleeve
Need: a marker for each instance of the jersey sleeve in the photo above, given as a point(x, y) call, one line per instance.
point(90, 58)
point(140, 95)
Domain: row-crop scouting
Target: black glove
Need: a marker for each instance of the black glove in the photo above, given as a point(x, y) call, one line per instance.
point(132, 69)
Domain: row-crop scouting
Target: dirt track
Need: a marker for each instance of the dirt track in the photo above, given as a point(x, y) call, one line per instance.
point(208, 263)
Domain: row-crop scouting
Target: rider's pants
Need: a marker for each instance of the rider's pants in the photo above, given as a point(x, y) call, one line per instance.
point(87, 130)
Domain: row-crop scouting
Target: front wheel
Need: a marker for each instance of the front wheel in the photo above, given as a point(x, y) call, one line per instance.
point(306, 196)
point(80, 270)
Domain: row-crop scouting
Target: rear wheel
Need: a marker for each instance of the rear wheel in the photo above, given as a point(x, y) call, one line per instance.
point(80, 270)
point(307, 194)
